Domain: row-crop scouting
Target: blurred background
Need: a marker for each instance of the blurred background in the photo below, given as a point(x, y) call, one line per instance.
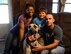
point(11, 9)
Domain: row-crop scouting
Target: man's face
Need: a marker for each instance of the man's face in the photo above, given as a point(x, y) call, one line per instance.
point(49, 20)
point(42, 15)
point(30, 10)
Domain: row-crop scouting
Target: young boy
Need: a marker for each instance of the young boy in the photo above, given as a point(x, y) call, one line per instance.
point(41, 16)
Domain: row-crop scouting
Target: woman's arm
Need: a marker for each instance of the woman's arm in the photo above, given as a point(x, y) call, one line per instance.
point(21, 30)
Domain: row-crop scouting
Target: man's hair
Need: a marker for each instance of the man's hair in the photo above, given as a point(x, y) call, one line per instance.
point(42, 10)
point(51, 14)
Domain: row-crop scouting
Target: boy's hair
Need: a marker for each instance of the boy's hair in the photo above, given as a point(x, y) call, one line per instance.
point(42, 10)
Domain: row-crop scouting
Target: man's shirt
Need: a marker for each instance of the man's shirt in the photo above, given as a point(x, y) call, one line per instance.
point(49, 35)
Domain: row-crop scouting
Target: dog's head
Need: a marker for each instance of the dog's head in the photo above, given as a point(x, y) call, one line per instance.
point(33, 28)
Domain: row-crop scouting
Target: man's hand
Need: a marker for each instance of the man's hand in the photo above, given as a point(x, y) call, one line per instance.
point(38, 47)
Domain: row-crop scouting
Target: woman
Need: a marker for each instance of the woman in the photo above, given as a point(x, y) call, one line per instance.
point(16, 34)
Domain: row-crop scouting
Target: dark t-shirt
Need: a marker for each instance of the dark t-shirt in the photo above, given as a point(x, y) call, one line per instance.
point(50, 34)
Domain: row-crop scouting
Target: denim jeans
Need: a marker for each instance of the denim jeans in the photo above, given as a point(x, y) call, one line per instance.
point(11, 45)
point(57, 50)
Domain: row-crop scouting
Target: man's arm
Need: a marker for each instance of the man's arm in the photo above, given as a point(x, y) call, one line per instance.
point(58, 38)
point(53, 45)
point(47, 47)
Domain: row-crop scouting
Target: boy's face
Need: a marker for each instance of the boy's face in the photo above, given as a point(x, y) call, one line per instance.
point(42, 15)
point(49, 20)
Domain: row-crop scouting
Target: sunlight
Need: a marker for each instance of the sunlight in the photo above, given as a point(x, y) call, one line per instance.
point(4, 14)
point(67, 8)
point(54, 8)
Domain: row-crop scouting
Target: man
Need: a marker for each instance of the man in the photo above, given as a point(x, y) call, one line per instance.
point(52, 35)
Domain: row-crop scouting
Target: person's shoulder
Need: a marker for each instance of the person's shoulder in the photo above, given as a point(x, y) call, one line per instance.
point(21, 17)
point(57, 28)
point(36, 18)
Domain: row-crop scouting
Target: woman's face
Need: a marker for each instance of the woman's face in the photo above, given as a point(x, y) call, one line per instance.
point(30, 10)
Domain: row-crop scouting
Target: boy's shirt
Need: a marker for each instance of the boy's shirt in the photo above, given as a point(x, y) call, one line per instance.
point(38, 21)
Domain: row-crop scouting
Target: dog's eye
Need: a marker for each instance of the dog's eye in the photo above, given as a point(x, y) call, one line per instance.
point(35, 26)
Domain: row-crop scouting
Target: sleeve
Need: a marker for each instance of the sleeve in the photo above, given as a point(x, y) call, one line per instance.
point(58, 34)
point(34, 21)
point(20, 18)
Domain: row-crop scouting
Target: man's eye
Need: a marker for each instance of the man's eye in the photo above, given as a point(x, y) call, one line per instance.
point(46, 19)
point(49, 18)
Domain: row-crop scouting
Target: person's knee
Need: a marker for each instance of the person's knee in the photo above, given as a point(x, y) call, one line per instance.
point(53, 52)
point(58, 50)
point(45, 52)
